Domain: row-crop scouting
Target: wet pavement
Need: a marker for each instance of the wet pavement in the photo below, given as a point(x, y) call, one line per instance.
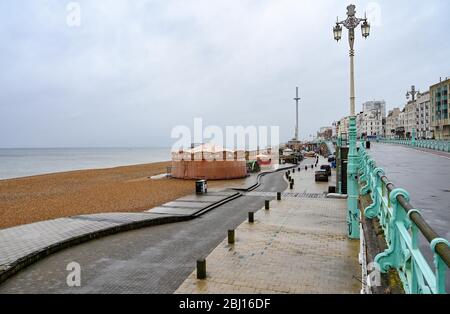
point(299, 245)
point(425, 175)
point(151, 260)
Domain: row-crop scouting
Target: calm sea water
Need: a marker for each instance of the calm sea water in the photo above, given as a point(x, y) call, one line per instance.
point(15, 163)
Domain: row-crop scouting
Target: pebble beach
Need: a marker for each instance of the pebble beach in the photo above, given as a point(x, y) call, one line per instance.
point(121, 189)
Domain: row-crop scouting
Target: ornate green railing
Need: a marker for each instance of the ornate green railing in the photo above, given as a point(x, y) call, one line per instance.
point(440, 145)
point(402, 224)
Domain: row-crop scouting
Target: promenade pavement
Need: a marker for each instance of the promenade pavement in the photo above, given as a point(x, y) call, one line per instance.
point(148, 260)
point(300, 245)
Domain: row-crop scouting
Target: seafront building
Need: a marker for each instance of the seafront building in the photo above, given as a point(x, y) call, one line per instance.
point(370, 123)
point(375, 105)
point(423, 115)
point(392, 122)
point(410, 118)
point(325, 133)
point(440, 120)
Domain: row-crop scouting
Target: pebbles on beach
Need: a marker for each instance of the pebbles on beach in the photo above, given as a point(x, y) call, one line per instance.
point(122, 189)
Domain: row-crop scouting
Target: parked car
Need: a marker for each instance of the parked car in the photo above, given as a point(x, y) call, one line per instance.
point(321, 175)
point(327, 168)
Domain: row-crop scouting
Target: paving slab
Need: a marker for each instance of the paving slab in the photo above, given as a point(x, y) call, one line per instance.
point(179, 211)
point(192, 204)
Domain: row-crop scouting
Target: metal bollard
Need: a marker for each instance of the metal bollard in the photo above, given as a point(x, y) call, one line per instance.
point(312, 166)
point(292, 181)
point(298, 169)
point(251, 217)
point(291, 186)
point(306, 167)
point(278, 196)
point(201, 269)
point(230, 236)
point(293, 170)
point(267, 204)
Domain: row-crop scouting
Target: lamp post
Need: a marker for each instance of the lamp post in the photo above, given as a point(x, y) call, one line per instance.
point(352, 185)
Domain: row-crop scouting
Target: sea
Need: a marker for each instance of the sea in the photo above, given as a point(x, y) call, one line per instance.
point(24, 162)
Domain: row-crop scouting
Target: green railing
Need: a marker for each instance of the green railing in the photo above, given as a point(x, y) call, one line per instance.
point(402, 224)
point(439, 145)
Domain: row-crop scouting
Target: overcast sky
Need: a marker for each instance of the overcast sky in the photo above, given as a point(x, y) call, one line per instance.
point(135, 69)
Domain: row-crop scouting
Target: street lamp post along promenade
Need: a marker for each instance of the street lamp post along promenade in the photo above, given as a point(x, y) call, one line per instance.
point(351, 23)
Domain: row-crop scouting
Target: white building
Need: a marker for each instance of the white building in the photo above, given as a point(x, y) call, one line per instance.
point(409, 118)
point(423, 116)
point(391, 123)
point(343, 126)
point(375, 105)
point(370, 123)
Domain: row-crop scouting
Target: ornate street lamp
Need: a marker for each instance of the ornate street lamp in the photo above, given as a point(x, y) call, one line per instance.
point(351, 23)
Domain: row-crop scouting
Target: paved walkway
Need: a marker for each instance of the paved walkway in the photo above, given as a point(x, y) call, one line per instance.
point(298, 246)
point(22, 245)
point(148, 260)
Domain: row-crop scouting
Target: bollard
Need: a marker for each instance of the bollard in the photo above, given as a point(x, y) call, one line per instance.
point(267, 204)
point(293, 170)
point(306, 167)
point(312, 166)
point(298, 169)
point(278, 196)
point(201, 269)
point(292, 181)
point(291, 186)
point(230, 236)
point(251, 218)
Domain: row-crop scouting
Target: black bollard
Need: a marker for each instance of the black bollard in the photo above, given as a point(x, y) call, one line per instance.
point(312, 166)
point(306, 167)
point(267, 204)
point(293, 182)
point(291, 186)
point(230, 236)
point(278, 196)
point(251, 217)
point(201, 269)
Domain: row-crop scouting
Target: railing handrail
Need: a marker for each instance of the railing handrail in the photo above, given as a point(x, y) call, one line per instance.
point(402, 224)
point(427, 231)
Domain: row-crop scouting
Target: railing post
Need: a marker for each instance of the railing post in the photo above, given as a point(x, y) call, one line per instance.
point(392, 257)
point(373, 209)
point(441, 268)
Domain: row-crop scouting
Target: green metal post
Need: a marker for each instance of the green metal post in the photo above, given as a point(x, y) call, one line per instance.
point(352, 183)
point(413, 137)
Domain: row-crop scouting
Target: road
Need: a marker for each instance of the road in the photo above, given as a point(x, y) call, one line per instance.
point(150, 260)
point(425, 175)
